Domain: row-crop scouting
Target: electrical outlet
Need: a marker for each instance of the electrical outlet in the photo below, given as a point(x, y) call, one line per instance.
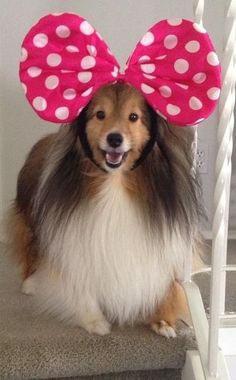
point(202, 157)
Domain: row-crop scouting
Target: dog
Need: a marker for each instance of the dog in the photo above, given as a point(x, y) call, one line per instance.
point(106, 213)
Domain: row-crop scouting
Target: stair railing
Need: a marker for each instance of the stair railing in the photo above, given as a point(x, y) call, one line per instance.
point(208, 362)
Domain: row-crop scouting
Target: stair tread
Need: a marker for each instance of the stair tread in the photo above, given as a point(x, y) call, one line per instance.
point(33, 346)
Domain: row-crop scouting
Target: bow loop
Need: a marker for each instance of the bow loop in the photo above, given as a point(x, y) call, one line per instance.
point(176, 68)
point(63, 63)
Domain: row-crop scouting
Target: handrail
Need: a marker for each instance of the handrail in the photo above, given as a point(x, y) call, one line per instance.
point(222, 187)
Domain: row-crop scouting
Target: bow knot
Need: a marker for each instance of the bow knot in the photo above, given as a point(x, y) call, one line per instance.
point(121, 76)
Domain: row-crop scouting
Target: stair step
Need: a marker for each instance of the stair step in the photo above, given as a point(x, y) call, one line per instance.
point(39, 347)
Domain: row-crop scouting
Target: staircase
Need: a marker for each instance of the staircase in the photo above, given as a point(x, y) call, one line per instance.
point(38, 347)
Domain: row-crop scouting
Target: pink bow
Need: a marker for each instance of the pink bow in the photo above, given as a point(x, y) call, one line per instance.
point(64, 61)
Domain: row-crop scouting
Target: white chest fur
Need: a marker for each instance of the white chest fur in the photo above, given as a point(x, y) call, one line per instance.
point(107, 254)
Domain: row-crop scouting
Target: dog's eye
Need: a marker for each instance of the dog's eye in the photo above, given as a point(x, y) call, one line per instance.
point(100, 115)
point(133, 117)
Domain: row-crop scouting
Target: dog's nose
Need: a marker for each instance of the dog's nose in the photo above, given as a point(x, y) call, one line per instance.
point(114, 139)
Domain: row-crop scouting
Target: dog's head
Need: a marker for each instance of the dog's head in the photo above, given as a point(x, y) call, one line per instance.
point(118, 126)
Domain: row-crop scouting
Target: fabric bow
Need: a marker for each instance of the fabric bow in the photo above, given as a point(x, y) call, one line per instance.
point(64, 61)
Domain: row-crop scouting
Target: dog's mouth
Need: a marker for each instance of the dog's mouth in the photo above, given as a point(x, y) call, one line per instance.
point(114, 159)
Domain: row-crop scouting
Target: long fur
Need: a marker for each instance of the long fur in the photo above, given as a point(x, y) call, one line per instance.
point(107, 244)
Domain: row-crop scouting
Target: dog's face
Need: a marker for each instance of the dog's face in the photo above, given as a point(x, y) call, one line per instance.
point(118, 126)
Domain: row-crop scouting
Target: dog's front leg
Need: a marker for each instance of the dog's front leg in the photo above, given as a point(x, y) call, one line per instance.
point(173, 307)
point(90, 317)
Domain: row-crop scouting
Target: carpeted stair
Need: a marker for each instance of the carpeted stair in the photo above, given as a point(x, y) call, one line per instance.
point(38, 347)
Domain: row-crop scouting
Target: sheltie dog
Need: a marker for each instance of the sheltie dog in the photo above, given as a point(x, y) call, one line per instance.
point(105, 214)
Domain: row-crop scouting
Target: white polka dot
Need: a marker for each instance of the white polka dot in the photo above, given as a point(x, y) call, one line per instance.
point(87, 92)
point(165, 91)
point(192, 46)
point(86, 28)
point(115, 72)
point(175, 21)
point(67, 71)
point(39, 103)
point(23, 55)
point(161, 57)
point(181, 66)
point(24, 88)
point(40, 40)
point(54, 59)
point(195, 103)
point(51, 82)
point(144, 58)
point(62, 113)
point(85, 76)
point(212, 59)
point(170, 41)
point(148, 68)
point(199, 28)
point(213, 93)
point(184, 86)
point(63, 31)
point(57, 14)
point(199, 78)
point(147, 39)
point(92, 50)
point(69, 94)
point(34, 71)
point(72, 49)
point(109, 51)
point(172, 109)
point(88, 62)
point(147, 89)
point(149, 76)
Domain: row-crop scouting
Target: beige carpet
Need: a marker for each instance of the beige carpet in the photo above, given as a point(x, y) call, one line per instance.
point(38, 347)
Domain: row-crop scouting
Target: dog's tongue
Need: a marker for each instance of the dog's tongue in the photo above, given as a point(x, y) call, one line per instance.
point(114, 158)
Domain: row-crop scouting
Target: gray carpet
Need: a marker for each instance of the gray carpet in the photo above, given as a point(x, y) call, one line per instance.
point(38, 347)
point(204, 280)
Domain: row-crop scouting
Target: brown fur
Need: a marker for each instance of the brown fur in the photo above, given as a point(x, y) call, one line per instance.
point(19, 224)
point(21, 243)
point(174, 307)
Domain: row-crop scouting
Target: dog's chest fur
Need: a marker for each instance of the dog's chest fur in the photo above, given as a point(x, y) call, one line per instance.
point(108, 253)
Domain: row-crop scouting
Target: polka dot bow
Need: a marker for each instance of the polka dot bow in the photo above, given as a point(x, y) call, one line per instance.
point(64, 61)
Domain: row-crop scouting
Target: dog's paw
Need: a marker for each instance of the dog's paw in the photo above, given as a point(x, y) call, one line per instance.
point(99, 327)
point(164, 329)
point(29, 286)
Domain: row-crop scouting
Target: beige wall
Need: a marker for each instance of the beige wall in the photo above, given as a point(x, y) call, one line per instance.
point(121, 23)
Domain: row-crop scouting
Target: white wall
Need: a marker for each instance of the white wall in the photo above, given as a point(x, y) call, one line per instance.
point(121, 23)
